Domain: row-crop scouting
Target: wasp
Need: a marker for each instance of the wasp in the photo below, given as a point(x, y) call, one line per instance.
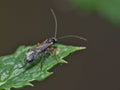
point(46, 46)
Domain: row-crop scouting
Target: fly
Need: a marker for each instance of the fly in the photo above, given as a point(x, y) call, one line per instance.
point(47, 45)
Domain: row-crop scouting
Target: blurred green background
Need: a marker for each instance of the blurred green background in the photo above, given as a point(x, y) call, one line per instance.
point(110, 9)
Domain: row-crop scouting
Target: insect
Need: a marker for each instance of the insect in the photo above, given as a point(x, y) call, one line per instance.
point(46, 46)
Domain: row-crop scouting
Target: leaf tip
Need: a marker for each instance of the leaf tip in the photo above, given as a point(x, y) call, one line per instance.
point(81, 48)
point(63, 61)
point(30, 84)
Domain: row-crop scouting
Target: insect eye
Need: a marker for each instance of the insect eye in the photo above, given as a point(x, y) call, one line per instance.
point(52, 40)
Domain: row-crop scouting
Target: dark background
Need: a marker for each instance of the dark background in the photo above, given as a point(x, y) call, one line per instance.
point(96, 68)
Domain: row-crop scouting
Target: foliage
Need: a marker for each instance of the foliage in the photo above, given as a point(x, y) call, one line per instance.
point(12, 76)
point(110, 9)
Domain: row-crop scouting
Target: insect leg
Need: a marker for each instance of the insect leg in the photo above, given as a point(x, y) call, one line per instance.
point(38, 44)
point(54, 51)
point(42, 59)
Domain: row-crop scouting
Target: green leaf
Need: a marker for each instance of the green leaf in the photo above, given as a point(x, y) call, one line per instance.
point(12, 76)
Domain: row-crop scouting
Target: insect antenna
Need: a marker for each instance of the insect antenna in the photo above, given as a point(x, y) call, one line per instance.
point(66, 36)
point(55, 19)
point(73, 36)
